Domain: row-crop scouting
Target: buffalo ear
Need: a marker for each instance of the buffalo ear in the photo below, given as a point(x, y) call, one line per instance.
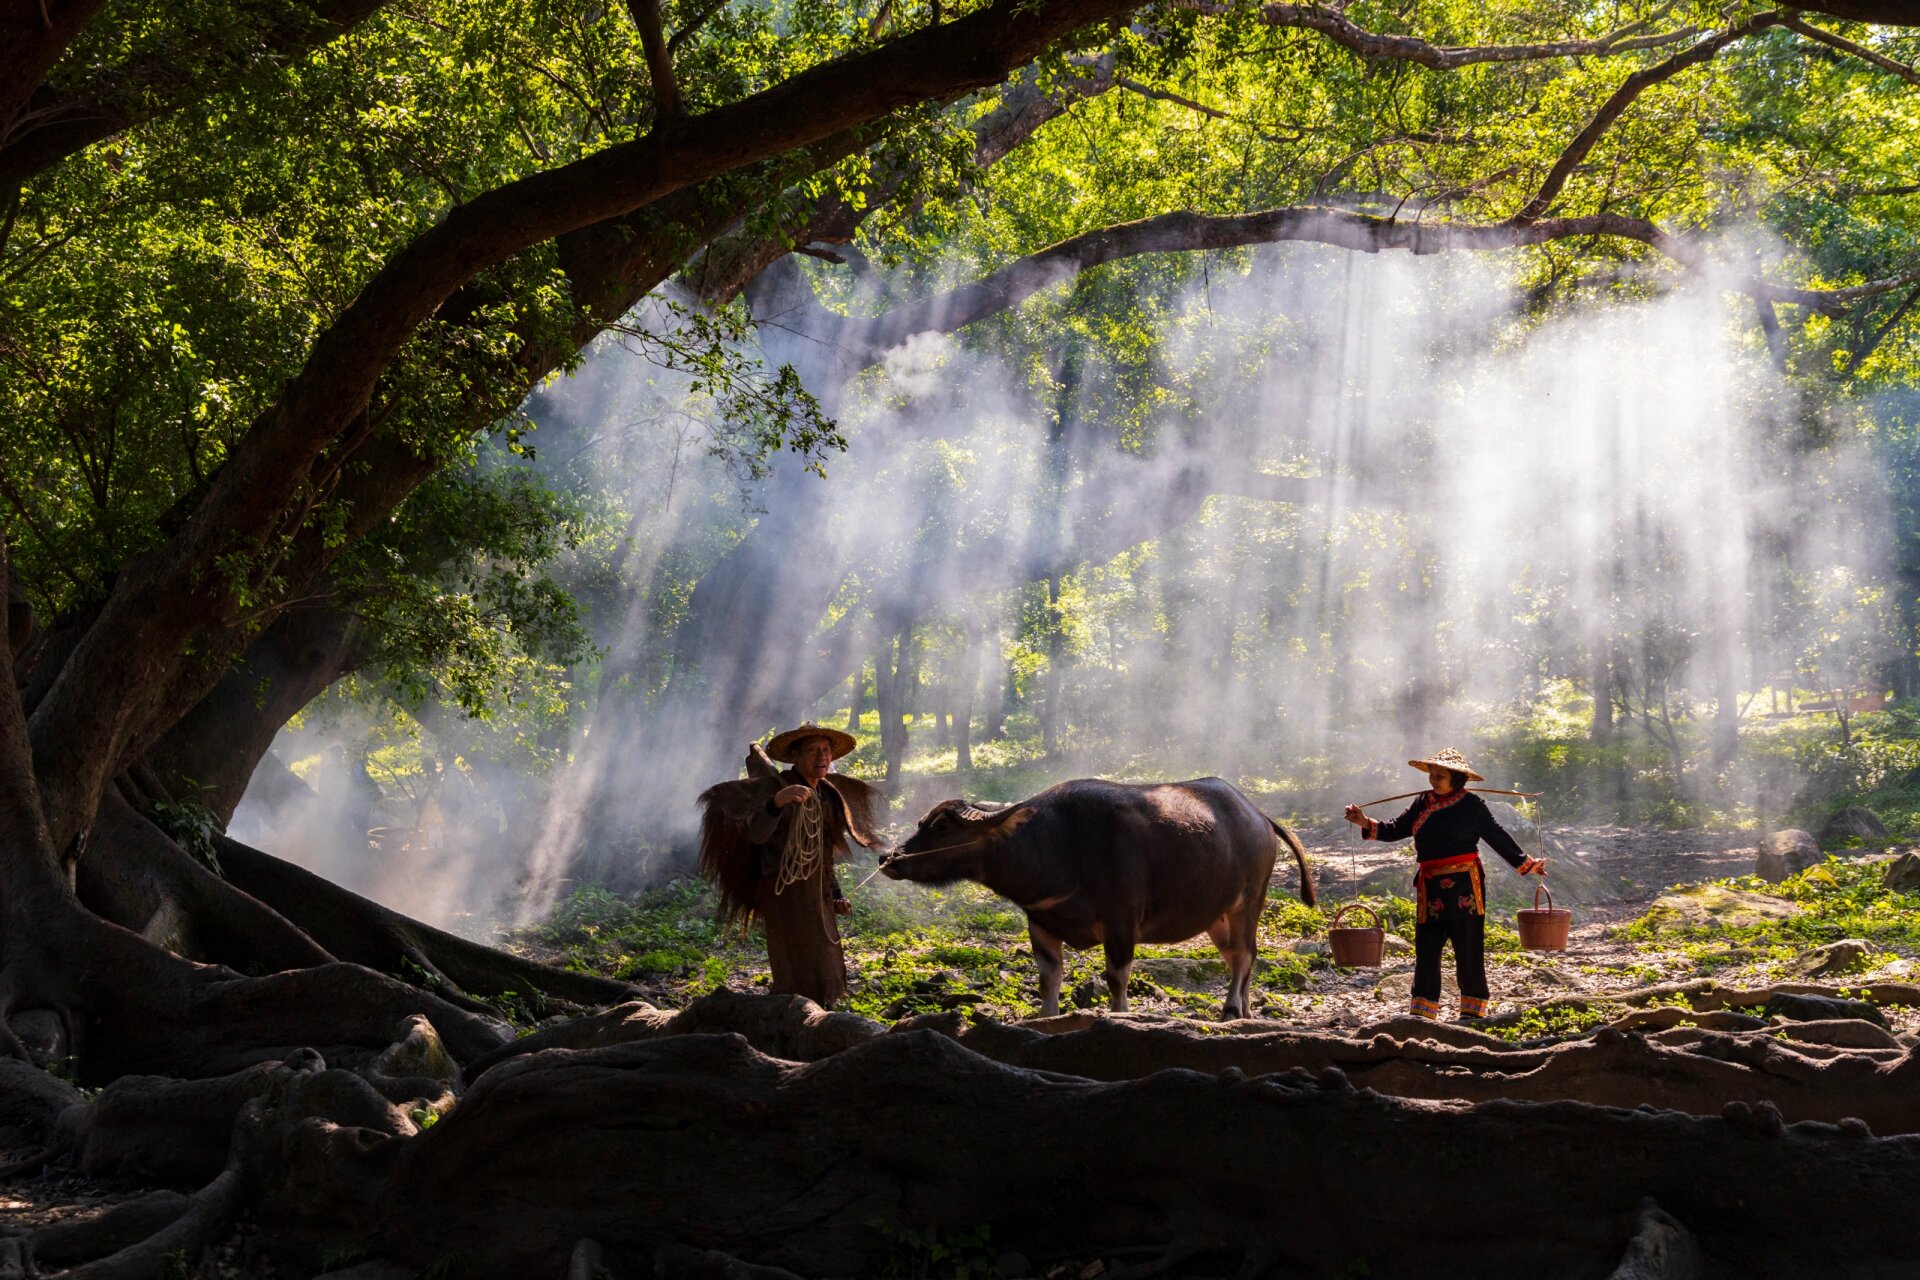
point(944, 809)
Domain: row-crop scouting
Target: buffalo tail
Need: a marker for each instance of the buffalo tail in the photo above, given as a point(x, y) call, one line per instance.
point(1300, 857)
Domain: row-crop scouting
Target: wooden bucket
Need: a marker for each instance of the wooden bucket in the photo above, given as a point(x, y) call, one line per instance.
point(1357, 948)
point(1544, 928)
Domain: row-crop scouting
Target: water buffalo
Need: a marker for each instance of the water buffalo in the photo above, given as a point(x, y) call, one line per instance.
point(1117, 864)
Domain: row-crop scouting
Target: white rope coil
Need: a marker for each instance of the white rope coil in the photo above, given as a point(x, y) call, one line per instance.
point(806, 844)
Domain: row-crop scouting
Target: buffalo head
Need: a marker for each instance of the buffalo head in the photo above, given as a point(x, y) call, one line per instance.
point(947, 844)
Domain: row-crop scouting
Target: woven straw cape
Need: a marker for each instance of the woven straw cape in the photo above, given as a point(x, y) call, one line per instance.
point(1448, 758)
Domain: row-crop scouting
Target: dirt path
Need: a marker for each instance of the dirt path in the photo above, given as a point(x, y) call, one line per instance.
point(1641, 863)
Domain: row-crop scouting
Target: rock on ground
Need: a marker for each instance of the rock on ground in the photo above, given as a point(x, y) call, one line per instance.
point(1786, 853)
point(1853, 823)
point(1903, 874)
point(1849, 955)
point(1712, 904)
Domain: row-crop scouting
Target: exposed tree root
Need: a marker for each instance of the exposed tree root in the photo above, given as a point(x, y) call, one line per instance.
point(780, 1026)
point(31, 1101)
point(129, 1007)
point(151, 1129)
point(1612, 1068)
point(700, 1142)
point(678, 1262)
point(681, 1152)
point(1707, 995)
point(362, 931)
point(64, 1244)
point(149, 884)
point(1699, 1072)
point(261, 914)
point(208, 1213)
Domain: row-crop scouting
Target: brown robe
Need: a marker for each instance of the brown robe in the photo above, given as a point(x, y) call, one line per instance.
point(742, 837)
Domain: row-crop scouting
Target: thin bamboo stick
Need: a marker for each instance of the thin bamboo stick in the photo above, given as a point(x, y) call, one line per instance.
point(1491, 791)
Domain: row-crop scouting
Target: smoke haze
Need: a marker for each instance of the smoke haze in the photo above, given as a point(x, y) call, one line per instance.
point(1481, 510)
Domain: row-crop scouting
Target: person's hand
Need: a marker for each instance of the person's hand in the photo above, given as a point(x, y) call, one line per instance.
point(1533, 867)
point(841, 906)
point(1354, 815)
point(790, 795)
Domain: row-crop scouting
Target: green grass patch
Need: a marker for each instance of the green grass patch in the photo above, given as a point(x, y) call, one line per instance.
point(1556, 1020)
point(1838, 898)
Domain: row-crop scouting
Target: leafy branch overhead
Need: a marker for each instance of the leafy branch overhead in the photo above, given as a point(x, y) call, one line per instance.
point(343, 246)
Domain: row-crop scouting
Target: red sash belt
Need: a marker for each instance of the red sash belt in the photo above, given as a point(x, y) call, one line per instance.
point(1467, 862)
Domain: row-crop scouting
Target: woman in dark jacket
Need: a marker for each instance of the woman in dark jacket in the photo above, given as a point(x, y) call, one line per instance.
point(1447, 824)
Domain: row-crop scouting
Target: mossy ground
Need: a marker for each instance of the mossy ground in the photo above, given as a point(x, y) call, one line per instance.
point(912, 949)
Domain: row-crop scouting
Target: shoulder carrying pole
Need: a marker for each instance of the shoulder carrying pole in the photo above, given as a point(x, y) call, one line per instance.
point(1491, 791)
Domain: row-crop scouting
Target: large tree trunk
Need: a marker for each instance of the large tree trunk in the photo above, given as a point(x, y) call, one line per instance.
point(210, 755)
point(117, 997)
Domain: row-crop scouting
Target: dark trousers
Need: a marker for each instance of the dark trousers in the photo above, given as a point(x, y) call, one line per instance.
point(1467, 930)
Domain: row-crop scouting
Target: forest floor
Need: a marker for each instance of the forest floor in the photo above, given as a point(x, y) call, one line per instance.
point(1649, 907)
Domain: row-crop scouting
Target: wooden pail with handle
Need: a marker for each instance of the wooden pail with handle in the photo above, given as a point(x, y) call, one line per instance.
point(1544, 928)
point(1357, 948)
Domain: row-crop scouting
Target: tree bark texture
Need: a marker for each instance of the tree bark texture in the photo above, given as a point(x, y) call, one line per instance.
point(760, 1131)
point(210, 754)
point(702, 1142)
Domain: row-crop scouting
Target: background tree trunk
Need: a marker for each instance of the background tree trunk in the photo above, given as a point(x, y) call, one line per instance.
point(966, 681)
point(857, 698)
point(1053, 684)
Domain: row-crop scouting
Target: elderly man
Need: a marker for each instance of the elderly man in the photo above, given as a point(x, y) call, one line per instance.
point(770, 841)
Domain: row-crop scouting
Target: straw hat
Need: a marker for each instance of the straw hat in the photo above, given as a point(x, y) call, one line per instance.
point(1447, 758)
point(781, 748)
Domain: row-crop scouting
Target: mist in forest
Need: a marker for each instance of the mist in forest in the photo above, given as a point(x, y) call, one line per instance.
point(1486, 514)
point(425, 837)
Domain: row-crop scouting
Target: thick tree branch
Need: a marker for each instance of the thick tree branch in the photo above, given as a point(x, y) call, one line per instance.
point(867, 340)
point(1849, 47)
point(1886, 327)
point(37, 33)
point(1375, 46)
point(666, 91)
point(95, 707)
point(61, 119)
point(610, 267)
point(1185, 232)
point(726, 269)
point(1895, 13)
point(693, 25)
point(1623, 97)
